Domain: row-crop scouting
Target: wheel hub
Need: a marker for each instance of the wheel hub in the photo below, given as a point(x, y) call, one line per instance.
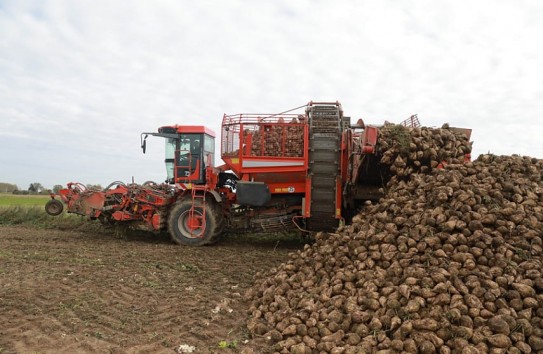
point(193, 223)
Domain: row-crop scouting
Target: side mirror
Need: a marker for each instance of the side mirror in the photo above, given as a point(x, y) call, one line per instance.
point(144, 144)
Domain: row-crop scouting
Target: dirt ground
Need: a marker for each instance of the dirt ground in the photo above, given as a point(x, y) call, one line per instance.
point(77, 291)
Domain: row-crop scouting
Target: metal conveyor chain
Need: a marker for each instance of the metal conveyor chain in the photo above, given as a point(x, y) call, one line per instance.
point(324, 144)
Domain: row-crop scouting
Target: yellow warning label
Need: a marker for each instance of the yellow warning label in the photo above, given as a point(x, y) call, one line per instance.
point(285, 190)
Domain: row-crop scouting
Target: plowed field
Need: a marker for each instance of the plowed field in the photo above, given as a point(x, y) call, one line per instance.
point(71, 291)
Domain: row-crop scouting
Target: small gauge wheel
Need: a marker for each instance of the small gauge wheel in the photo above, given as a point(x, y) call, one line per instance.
point(54, 207)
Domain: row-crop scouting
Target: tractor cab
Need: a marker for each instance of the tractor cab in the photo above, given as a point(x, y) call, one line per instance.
point(188, 151)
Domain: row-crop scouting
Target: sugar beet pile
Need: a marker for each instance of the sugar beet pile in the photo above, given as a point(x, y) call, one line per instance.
point(449, 261)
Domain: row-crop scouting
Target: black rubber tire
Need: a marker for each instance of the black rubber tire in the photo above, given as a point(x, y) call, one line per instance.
point(178, 228)
point(221, 223)
point(54, 207)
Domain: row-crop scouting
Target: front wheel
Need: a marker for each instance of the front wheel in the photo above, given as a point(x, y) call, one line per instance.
point(190, 228)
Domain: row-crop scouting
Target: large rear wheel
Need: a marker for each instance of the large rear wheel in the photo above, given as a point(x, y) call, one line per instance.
point(191, 228)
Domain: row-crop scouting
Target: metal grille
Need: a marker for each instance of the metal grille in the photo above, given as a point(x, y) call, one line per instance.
point(411, 122)
point(230, 140)
point(278, 140)
point(261, 136)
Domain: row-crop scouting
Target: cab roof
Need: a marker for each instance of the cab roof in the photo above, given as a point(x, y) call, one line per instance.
point(186, 129)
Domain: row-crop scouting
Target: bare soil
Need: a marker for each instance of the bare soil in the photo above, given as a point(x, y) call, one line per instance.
point(73, 291)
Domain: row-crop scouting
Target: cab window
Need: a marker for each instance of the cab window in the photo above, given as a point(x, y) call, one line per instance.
point(209, 149)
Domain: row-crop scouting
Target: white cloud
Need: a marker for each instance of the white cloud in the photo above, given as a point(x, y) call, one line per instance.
point(84, 79)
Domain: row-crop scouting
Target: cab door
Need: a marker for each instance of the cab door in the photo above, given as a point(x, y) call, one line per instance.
point(189, 159)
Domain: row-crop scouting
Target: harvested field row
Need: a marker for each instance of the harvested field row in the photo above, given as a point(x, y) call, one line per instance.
point(69, 292)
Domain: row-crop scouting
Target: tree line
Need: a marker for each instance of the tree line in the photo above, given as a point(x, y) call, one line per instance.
point(36, 188)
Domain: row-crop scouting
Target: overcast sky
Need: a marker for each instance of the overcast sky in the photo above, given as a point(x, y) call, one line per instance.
point(80, 80)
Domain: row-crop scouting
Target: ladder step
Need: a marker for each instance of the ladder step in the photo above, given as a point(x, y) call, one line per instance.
point(193, 214)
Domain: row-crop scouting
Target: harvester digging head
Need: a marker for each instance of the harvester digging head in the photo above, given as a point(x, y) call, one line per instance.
point(143, 205)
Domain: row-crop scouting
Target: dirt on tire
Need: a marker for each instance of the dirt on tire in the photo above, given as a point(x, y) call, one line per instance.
point(72, 291)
